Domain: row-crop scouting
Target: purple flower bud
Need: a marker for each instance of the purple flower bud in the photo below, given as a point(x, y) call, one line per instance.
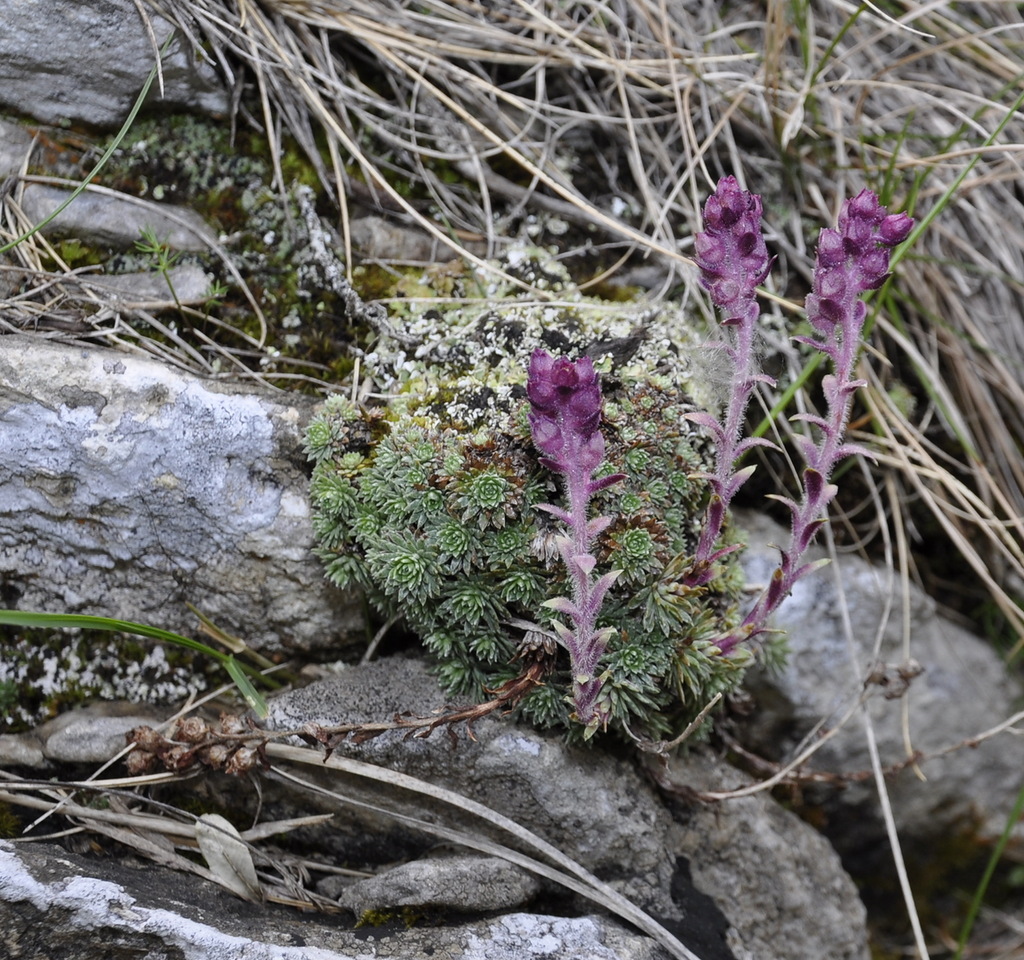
point(851, 261)
point(730, 250)
point(895, 229)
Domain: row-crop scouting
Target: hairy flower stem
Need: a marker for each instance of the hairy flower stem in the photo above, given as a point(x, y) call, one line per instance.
point(565, 418)
point(733, 260)
point(850, 261)
point(587, 644)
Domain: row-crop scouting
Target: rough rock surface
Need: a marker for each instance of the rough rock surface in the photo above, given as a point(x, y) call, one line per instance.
point(131, 488)
point(589, 804)
point(54, 904)
point(64, 60)
point(777, 881)
point(92, 734)
point(963, 691)
point(600, 810)
point(463, 884)
point(104, 220)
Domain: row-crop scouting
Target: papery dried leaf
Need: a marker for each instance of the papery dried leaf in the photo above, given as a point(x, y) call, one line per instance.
point(228, 857)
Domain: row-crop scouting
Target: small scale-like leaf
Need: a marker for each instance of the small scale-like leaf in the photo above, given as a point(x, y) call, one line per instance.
point(750, 442)
point(585, 563)
point(854, 450)
point(724, 552)
point(791, 504)
point(708, 422)
point(564, 635)
point(565, 548)
point(814, 484)
point(557, 512)
point(737, 480)
point(807, 448)
point(595, 485)
point(597, 526)
point(562, 605)
point(808, 534)
point(812, 418)
point(824, 348)
point(602, 584)
point(811, 567)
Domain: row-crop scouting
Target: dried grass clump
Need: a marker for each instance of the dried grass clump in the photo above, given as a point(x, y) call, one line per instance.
point(466, 119)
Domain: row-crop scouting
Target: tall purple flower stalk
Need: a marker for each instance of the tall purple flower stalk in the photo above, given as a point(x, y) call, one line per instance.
point(565, 418)
point(733, 260)
point(850, 261)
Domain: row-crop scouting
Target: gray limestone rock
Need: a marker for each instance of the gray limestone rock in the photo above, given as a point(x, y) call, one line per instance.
point(776, 880)
point(459, 883)
point(964, 690)
point(186, 283)
point(64, 60)
point(92, 734)
point(586, 802)
point(116, 221)
point(713, 872)
point(54, 904)
point(131, 488)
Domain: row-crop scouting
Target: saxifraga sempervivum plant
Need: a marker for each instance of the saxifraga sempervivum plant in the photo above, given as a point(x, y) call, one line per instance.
point(435, 507)
point(432, 503)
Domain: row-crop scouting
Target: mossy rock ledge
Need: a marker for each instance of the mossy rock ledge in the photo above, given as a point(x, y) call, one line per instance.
point(425, 494)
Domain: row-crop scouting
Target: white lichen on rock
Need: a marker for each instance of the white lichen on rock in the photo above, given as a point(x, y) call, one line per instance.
point(40, 675)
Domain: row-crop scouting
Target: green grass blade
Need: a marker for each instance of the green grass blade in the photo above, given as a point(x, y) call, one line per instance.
point(251, 695)
point(990, 869)
point(73, 621)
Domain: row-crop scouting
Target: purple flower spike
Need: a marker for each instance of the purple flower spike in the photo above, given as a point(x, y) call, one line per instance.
point(731, 253)
point(565, 418)
point(733, 260)
point(851, 261)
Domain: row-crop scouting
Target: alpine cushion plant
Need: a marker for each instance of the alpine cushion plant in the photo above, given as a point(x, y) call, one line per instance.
point(850, 261)
point(565, 420)
point(431, 500)
point(425, 498)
